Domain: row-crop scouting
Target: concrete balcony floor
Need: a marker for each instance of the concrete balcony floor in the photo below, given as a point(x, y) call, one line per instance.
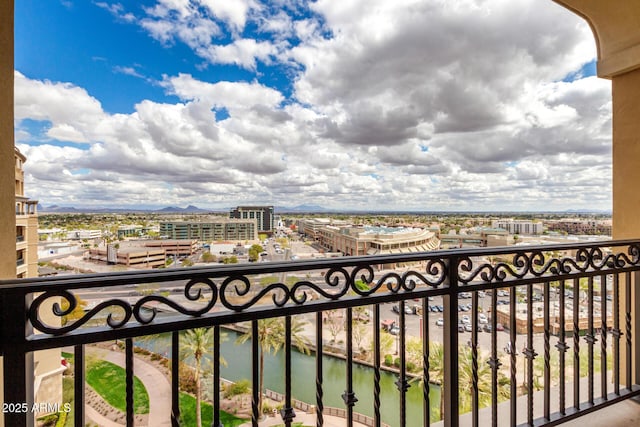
point(622, 414)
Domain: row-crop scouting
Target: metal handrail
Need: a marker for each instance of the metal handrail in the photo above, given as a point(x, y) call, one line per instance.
point(215, 296)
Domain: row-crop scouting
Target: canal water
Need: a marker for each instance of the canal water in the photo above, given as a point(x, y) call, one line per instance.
point(238, 357)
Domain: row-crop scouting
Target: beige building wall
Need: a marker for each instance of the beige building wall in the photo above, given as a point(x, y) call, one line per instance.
point(617, 36)
point(7, 178)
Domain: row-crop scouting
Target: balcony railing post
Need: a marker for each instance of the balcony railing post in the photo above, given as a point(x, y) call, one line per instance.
point(17, 362)
point(450, 341)
point(636, 328)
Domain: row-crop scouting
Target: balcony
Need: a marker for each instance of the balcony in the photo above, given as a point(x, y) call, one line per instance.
point(568, 347)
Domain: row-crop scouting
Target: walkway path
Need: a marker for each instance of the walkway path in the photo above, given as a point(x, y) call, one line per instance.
point(154, 381)
point(305, 419)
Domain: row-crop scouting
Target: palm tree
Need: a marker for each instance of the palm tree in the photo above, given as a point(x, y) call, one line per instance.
point(436, 369)
point(197, 343)
point(271, 337)
point(465, 379)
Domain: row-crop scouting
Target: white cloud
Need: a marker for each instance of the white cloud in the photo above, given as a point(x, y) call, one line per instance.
point(395, 105)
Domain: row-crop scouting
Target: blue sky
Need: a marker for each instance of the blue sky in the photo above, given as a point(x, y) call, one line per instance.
point(348, 104)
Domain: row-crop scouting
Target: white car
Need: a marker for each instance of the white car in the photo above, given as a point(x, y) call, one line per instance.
point(440, 322)
point(482, 319)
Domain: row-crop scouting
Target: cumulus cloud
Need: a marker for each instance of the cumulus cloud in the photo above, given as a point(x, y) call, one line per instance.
point(394, 105)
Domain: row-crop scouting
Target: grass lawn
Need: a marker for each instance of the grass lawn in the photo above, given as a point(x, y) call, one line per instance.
point(188, 413)
point(108, 380)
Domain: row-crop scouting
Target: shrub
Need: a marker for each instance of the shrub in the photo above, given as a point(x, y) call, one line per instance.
point(240, 387)
point(388, 360)
point(187, 377)
point(396, 362)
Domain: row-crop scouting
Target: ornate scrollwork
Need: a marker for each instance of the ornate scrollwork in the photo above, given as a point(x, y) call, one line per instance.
point(188, 293)
point(538, 264)
point(192, 291)
point(237, 293)
point(38, 324)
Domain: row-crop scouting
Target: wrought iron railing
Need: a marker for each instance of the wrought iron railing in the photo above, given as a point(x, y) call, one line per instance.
point(601, 278)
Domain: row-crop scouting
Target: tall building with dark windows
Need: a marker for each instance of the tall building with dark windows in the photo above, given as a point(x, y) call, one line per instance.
point(262, 214)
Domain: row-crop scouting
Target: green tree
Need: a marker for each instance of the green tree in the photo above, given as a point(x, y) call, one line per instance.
point(271, 337)
point(414, 352)
point(436, 369)
point(386, 343)
point(198, 343)
point(465, 379)
point(254, 252)
point(208, 257)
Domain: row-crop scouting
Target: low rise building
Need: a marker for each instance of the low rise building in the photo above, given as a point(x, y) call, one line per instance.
point(177, 247)
point(519, 226)
point(580, 226)
point(310, 227)
point(369, 240)
point(130, 256)
point(84, 234)
point(218, 229)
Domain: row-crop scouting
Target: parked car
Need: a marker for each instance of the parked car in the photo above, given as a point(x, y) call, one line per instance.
point(499, 327)
point(440, 322)
point(481, 294)
point(394, 330)
point(487, 327)
point(460, 327)
point(468, 327)
point(395, 309)
point(482, 318)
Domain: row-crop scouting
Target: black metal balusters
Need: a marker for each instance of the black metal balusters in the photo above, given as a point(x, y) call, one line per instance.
point(175, 379)
point(78, 385)
point(547, 352)
point(494, 362)
point(590, 337)
point(562, 348)
point(376, 366)
point(319, 372)
point(426, 404)
point(287, 411)
point(576, 344)
point(349, 397)
point(512, 356)
point(216, 377)
point(530, 354)
point(256, 391)
point(474, 359)
point(402, 383)
point(603, 337)
point(616, 333)
point(129, 380)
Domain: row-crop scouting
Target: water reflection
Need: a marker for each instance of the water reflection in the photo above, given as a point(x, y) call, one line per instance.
point(238, 357)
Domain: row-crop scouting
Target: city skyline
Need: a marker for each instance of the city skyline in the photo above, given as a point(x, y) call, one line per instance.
point(413, 105)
